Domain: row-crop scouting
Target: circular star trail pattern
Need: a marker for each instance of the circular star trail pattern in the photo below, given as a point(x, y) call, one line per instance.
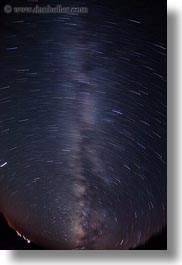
point(83, 124)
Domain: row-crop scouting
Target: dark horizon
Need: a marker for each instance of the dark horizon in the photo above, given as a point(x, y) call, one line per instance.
point(9, 240)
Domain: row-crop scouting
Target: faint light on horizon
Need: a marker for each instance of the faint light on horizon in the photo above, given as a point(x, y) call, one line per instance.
point(26, 239)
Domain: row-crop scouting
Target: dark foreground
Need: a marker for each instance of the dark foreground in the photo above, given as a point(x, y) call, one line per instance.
point(10, 241)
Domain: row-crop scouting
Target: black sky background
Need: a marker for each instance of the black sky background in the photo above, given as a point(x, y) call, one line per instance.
point(153, 16)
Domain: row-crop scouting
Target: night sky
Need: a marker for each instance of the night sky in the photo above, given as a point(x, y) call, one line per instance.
point(83, 125)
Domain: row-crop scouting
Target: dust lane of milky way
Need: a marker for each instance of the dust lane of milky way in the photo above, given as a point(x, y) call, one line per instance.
point(83, 124)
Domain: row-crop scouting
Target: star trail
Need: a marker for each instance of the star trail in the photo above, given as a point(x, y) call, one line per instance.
point(83, 104)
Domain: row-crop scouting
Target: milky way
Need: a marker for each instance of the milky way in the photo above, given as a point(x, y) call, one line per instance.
point(83, 124)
